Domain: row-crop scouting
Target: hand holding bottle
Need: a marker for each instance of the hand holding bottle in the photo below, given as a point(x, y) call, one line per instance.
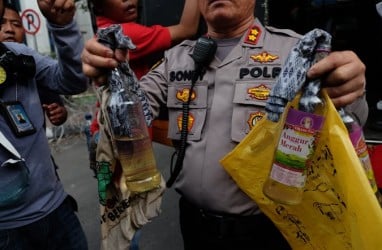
point(128, 115)
point(342, 74)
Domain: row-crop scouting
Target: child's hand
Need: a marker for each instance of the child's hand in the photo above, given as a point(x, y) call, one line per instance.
point(56, 113)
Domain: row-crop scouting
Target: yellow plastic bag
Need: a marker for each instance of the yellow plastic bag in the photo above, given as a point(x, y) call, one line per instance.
point(338, 210)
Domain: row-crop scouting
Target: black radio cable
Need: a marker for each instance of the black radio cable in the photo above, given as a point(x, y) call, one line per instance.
point(204, 51)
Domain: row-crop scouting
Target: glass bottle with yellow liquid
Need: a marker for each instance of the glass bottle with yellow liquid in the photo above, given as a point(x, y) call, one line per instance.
point(130, 134)
point(358, 140)
point(297, 143)
point(126, 119)
point(296, 146)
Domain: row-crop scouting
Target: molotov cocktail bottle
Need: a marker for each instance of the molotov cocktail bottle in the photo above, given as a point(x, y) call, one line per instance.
point(358, 141)
point(297, 144)
point(131, 137)
point(128, 114)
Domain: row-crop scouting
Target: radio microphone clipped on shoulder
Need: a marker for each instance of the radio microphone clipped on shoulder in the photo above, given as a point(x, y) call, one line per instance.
point(204, 52)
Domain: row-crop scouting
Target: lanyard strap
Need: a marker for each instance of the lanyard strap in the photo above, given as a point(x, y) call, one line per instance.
point(8, 145)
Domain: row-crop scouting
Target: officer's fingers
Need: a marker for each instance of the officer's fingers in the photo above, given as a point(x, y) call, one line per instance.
point(93, 47)
point(99, 81)
point(121, 55)
point(338, 68)
point(98, 61)
point(346, 99)
point(94, 66)
point(347, 78)
point(345, 94)
point(95, 57)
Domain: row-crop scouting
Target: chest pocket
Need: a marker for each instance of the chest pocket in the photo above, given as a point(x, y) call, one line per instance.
point(177, 95)
point(248, 106)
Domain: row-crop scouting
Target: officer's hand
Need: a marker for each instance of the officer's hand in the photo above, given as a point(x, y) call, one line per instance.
point(60, 12)
point(343, 76)
point(56, 113)
point(97, 58)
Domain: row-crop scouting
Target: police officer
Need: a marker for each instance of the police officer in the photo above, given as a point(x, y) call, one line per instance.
point(226, 101)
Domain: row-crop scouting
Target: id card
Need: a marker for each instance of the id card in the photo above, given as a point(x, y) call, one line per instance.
point(18, 118)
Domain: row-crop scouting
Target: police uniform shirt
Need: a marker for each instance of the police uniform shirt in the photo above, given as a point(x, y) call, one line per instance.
point(226, 103)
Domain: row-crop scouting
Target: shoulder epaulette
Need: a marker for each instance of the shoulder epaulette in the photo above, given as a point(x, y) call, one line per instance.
point(159, 62)
point(187, 43)
point(287, 32)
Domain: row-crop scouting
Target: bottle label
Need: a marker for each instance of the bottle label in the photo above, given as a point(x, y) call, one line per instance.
point(359, 144)
point(296, 145)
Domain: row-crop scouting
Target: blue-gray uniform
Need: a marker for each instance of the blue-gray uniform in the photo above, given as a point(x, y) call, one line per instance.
point(45, 192)
point(227, 101)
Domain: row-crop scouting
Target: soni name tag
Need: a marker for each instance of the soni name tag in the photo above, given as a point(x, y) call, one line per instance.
point(18, 118)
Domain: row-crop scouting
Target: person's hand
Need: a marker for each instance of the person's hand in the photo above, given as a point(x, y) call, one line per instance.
point(97, 58)
point(343, 76)
point(56, 113)
point(60, 12)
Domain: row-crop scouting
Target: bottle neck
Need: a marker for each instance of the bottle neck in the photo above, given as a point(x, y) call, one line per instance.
point(350, 122)
point(115, 84)
point(321, 52)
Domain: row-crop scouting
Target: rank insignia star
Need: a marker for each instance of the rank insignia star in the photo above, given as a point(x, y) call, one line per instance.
point(253, 35)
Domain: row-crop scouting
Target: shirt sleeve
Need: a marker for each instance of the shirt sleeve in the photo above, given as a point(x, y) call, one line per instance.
point(147, 39)
point(47, 96)
point(62, 75)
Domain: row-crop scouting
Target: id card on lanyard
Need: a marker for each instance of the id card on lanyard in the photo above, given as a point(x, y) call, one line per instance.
point(17, 118)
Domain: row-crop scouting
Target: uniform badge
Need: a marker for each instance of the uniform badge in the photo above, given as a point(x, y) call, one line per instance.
point(253, 35)
point(182, 95)
point(191, 121)
point(260, 92)
point(264, 57)
point(254, 118)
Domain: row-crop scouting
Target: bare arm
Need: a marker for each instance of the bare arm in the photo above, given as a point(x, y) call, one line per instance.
point(188, 24)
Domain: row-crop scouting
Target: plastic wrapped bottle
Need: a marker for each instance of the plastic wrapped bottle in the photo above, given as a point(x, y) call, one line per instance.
point(131, 137)
point(286, 180)
point(358, 140)
point(127, 119)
